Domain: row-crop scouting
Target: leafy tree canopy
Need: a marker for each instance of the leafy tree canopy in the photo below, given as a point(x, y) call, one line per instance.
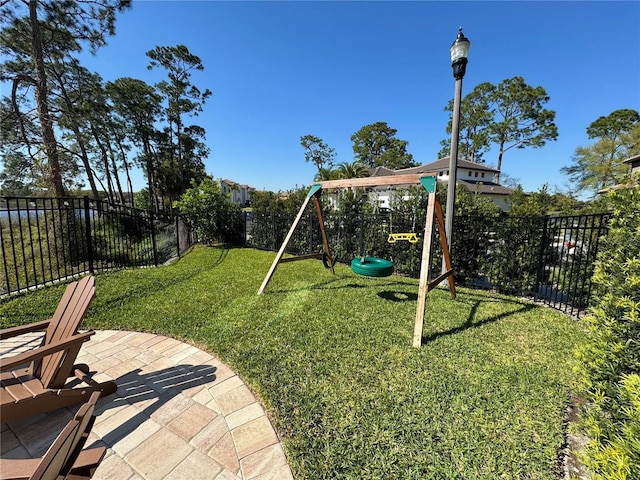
point(543, 202)
point(354, 169)
point(475, 116)
point(38, 36)
point(317, 152)
point(266, 202)
point(376, 145)
point(508, 115)
point(601, 164)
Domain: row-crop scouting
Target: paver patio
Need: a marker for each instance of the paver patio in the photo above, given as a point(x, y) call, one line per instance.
point(179, 413)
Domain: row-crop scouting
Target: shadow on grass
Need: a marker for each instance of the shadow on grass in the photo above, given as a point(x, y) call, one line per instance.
point(390, 294)
point(396, 296)
point(224, 253)
point(150, 283)
point(324, 285)
point(469, 322)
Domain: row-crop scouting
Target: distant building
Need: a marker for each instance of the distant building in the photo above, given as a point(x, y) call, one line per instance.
point(238, 194)
point(473, 176)
point(635, 163)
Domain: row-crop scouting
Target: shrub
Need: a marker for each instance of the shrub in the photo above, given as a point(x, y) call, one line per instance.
point(210, 214)
point(610, 359)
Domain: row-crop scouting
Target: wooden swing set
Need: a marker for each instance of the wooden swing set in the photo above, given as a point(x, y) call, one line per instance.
point(434, 212)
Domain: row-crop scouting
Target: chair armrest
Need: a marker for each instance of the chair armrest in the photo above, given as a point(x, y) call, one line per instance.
point(87, 462)
point(40, 352)
point(18, 468)
point(19, 330)
point(23, 468)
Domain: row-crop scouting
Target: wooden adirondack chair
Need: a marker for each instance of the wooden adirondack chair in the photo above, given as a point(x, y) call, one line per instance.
point(65, 459)
point(42, 385)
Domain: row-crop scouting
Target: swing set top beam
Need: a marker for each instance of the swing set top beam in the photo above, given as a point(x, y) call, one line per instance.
point(407, 179)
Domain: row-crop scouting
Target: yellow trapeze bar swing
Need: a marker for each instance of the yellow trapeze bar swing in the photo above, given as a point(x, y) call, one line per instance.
point(410, 237)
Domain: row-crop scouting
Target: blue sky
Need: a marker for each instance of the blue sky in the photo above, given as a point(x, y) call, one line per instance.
point(280, 70)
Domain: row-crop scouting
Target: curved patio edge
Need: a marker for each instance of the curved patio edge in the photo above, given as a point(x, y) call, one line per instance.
point(179, 413)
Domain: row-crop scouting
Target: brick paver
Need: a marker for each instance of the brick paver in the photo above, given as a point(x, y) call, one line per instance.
point(179, 413)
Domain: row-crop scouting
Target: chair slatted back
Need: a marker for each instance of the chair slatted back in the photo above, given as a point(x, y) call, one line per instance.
point(64, 323)
point(60, 457)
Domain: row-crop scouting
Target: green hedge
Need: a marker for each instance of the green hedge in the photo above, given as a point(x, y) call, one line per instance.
point(610, 359)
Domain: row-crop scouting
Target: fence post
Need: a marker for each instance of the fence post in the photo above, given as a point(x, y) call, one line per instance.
point(244, 228)
point(273, 232)
point(543, 246)
point(178, 234)
point(87, 227)
point(153, 239)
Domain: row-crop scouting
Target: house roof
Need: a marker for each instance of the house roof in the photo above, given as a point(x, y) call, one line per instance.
point(443, 164)
point(480, 187)
point(486, 188)
point(380, 172)
point(231, 183)
point(634, 159)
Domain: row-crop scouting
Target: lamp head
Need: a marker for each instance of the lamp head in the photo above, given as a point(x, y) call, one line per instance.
point(459, 54)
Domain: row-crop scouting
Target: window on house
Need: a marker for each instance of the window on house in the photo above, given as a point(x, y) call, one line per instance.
point(482, 175)
point(476, 174)
point(469, 172)
point(447, 172)
point(440, 174)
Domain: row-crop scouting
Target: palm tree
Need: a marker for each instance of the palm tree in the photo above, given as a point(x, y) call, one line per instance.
point(355, 169)
point(326, 174)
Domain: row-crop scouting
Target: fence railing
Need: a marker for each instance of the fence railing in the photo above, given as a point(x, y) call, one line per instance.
point(47, 239)
point(569, 249)
point(549, 259)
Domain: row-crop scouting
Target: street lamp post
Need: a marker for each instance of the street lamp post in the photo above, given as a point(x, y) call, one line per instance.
point(459, 53)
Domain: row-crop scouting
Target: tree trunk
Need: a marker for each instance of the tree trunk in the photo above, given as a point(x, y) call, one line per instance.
point(85, 158)
point(105, 159)
point(180, 164)
point(126, 171)
point(150, 175)
point(41, 95)
point(75, 128)
point(500, 153)
point(114, 166)
point(110, 159)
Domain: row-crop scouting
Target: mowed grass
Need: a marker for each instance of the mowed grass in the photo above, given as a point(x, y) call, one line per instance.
point(331, 359)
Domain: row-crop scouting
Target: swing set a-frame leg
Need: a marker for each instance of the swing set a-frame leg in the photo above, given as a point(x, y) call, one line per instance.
point(314, 193)
point(434, 209)
point(434, 212)
point(323, 232)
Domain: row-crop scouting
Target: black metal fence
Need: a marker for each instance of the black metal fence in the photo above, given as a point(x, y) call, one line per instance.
point(47, 239)
point(549, 259)
point(570, 247)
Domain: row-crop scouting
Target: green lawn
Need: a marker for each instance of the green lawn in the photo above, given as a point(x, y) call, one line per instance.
point(331, 359)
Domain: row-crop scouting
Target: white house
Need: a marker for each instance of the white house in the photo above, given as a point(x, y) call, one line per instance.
point(238, 194)
point(473, 176)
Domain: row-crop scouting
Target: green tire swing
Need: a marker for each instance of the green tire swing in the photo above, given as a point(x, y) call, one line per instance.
point(372, 266)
